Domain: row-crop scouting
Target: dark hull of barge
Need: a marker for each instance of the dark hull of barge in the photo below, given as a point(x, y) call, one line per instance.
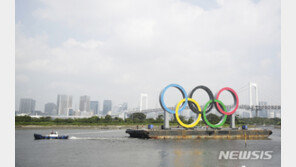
point(199, 134)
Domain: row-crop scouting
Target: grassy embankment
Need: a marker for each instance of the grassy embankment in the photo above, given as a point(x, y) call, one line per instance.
point(137, 119)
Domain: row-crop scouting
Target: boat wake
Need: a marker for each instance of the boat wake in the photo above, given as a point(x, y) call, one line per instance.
point(107, 131)
point(95, 138)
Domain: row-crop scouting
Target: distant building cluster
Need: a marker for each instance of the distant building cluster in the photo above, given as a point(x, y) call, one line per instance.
point(64, 108)
point(107, 107)
point(27, 106)
point(261, 113)
point(64, 104)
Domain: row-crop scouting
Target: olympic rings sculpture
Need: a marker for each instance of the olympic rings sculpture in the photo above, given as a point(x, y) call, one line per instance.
point(195, 107)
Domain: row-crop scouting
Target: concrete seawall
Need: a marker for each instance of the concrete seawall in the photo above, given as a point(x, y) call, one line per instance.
point(200, 134)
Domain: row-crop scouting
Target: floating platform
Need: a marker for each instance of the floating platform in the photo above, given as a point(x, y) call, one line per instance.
point(199, 134)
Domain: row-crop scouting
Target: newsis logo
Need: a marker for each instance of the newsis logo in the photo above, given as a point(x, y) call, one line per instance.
point(245, 155)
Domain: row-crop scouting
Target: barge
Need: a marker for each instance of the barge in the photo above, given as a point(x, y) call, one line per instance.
point(239, 134)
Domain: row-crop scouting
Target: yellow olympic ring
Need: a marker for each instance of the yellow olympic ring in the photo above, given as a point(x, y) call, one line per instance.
point(179, 120)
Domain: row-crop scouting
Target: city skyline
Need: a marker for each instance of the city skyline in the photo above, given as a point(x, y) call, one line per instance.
point(108, 108)
point(66, 102)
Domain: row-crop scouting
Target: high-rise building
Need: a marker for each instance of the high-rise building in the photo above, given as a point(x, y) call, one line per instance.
point(27, 105)
point(50, 109)
point(38, 112)
point(71, 112)
point(262, 113)
point(278, 114)
point(271, 114)
point(107, 106)
point(246, 115)
point(84, 103)
point(94, 107)
point(120, 108)
point(64, 103)
point(253, 114)
point(124, 106)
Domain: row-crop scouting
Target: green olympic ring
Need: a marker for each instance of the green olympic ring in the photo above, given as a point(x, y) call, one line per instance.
point(221, 123)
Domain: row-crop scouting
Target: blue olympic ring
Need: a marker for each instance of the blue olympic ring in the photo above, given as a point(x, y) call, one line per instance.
point(184, 94)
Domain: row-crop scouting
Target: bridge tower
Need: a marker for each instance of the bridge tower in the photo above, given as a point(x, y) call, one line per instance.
point(254, 85)
point(143, 102)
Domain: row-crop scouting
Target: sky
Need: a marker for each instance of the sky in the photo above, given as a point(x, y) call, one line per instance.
point(118, 49)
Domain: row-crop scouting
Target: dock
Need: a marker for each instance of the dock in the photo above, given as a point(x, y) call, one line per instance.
point(199, 133)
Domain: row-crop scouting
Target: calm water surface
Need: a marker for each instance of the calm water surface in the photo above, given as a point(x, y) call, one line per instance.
point(91, 148)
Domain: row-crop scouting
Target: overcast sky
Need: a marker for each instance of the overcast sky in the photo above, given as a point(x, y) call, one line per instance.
point(117, 49)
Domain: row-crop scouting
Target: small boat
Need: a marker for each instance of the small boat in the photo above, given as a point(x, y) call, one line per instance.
point(52, 135)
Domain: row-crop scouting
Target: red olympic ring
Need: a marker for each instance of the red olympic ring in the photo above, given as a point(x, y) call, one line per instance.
point(236, 101)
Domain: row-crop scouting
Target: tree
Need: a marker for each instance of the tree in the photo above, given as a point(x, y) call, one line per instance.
point(94, 119)
point(138, 117)
point(45, 119)
point(159, 119)
point(190, 120)
point(116, 119)
point(58, 120)
point(25, 118)
point(128, 120)
point(182, 118)
point(174, 119)
point(213, 118)
point(108, 118)
point(150, 120)
point(237, 120)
